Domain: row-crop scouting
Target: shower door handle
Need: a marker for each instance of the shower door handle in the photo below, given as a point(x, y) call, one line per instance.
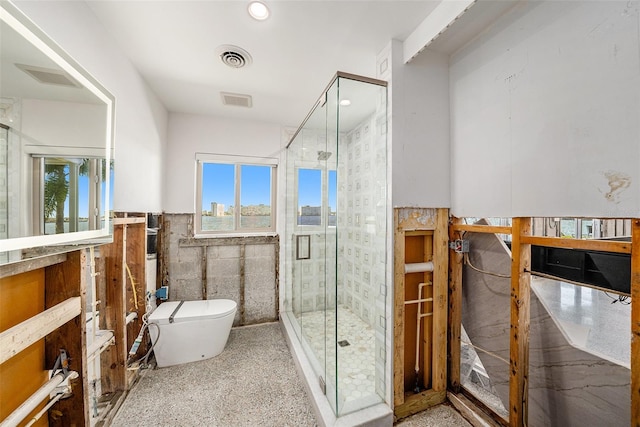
point(303, 246)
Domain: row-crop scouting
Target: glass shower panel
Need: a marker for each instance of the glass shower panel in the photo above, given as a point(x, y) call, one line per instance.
point(362, 231)
point(336, 240)
point(306, 164)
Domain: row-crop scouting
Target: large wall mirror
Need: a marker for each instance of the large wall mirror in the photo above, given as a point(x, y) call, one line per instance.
point(56, 151)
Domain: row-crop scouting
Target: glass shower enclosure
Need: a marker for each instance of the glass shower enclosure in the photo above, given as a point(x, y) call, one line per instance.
point(336, 241)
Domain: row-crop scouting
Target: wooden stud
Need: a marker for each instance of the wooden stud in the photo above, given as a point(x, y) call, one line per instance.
point(112, 313)
point(398, 298)
point(635, 322)
point(479, 228)
point(64, 281)
point(455, 309)
point(416, 218)
point(471, 412)
point(30, 264)
point(22, 335)
point(419, 402)
point(520, 316)
point(594, 245)
point(426, 341)
point(440, 288)
point(135, 256)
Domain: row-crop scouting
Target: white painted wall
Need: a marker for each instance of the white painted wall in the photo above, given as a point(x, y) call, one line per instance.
point(51, 124)
point(546, 113)
point(190, 134)
point(141, 120)
point(419, 102)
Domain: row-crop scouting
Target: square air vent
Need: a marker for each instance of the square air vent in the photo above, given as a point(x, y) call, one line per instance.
point(236, 99)
point(49, 76)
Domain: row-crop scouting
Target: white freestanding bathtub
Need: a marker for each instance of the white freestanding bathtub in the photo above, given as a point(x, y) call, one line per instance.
point(190, 330)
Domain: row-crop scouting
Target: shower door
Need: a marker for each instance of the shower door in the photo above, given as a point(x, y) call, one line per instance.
point(311, 231)
point(335, 244)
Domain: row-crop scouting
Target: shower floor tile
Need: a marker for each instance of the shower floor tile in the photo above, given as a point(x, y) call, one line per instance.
point(355, 358)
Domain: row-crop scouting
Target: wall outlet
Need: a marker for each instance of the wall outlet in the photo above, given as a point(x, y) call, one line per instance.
point(162, 293)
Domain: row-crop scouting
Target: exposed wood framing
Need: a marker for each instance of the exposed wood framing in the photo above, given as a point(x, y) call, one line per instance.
point(398, 323)
point(479, 228)
point(21, 336)
point(594, 245)
point(64, 281)
point(111, 309)
point(420, 235)
point(125, 271)
point(635, 322)
point(470, 412)
point(455, 309)
point(520, 316)
point(440, 291)
point(419, 402)
point(416, 218)
point(31, 264)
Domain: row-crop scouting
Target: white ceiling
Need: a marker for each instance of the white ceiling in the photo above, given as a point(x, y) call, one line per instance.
point(295, 52)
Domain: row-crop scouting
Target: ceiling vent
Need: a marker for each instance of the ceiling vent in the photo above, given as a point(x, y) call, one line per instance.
point(49, 76)
point(234, 56)
point(236, 99)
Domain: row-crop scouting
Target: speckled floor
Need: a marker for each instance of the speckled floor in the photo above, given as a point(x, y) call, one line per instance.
point(254, 382)
point(438, 416)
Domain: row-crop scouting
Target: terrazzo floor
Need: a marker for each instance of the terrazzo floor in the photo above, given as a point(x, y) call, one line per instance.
point(355, 358)
point(253, 383)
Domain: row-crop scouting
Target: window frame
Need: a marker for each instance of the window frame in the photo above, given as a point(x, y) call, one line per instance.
point(237, 162)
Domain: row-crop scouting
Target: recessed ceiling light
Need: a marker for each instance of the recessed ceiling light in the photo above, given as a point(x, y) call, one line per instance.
point(345, 102)
point(258, 10)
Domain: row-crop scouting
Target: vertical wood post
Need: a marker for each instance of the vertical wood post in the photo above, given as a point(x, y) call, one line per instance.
point(112, 310)
point(398, 309)
point(64, 281)
point(455, 310)
point(635, 322)
point(520, 315)
point(440, 291)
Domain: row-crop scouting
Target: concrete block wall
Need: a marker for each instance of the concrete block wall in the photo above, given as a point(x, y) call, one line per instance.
point(244, 269)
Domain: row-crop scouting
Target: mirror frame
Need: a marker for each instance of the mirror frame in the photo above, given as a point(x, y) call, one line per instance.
point(12, 16)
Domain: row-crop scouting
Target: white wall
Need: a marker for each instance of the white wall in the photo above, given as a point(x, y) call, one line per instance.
point(190, 134)
point(53, 124)
point(546, 113)
point(419, 103)
point(141, 120)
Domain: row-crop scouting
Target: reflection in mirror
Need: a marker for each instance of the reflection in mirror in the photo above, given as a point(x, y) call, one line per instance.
point(56, 162)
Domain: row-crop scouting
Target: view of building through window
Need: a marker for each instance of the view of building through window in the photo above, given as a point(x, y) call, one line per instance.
point(310, 200)
point(226, 186)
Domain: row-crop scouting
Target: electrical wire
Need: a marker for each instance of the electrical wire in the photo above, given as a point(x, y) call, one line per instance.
point(133, 287)
point(145, 326)
point(468, 262)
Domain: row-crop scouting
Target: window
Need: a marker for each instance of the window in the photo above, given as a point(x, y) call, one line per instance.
point(228, 182)
point(70, 195)
point(316, 201)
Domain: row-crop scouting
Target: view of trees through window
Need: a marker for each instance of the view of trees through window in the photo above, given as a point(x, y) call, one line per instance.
point(68, 198)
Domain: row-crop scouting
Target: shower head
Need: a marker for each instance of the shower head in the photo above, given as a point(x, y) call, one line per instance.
point(323, 155)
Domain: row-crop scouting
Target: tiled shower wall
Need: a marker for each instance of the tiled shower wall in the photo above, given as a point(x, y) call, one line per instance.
point(362, 220)
point(244, 269)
